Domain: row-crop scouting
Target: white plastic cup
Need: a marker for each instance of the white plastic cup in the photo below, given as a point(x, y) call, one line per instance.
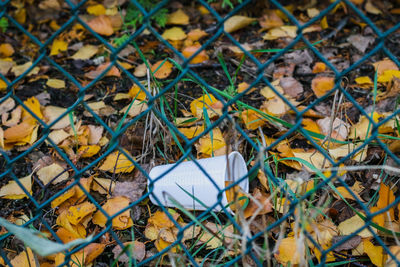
point(187, 176)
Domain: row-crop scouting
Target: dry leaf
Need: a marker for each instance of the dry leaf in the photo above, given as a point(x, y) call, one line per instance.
point(6, 50)
point(58, 46)
point(56, 83)
point(13, 191)
point(339, 131)
point(117, 162)
point(114, 71)
point(319, 67)
point(135, 109)
point(396, 252)
point(207, 102)
point(363, 80)
point(95, 134)
point(178, 18)
point(140, 70)
point(25, 259)
point(85, 52)
point(289, 251)
point(20, 69)
point(190, 50)
point(192, 132)
point(51, 113)
point(281, 32)
point(207, 145)
point(261, 204)
point(103, 185)
point(96, 10)
point(383, 65)
point(237, 22)
point(137, 93)
point(137, 251)
point(375, 253)
point(349, 226)
point(322, 84)
point(112, 206)
point(196, 34)
point(19, 132)
point(252, 119)
point(174, 34)
point(101, 25)
point(386, 197)
point(48, 173)
point(88, 151)
point(270, 20)
point(77, 213)
point(363, 128)
point(162, 69)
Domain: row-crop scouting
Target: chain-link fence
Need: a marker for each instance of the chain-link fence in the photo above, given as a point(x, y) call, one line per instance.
point(224, 119)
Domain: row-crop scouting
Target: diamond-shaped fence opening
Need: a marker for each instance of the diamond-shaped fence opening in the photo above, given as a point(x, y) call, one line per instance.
point(95, 95)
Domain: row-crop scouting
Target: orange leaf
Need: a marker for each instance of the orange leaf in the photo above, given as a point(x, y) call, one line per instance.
point(386, 197)
point(261, 205)
point(162, 69)
point(112, 206)
point(322, 84)
point(137, 93)
point(190, 50)
point(252, 119)
point(319, 67)
point(25, 259)
point(19, 131)
point(6, 50)
point(101, 25)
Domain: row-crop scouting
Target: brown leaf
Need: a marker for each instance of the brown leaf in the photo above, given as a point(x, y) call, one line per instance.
point(162, 69)
point(101, 25)
point(291, 86)
point(352, 243)
point(137, 251)
point(132, 190)
point(261, 204)
point(114, 71)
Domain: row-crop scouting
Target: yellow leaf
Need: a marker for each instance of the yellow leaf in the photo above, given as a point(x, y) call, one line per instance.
point(237, 22)
point(281, 32)
point(383, 65)
point(160, 219)
point(3, 85)
point(112, 206)
point(25, 259)
point(89, 150)
point(363, 128)
point(85, 52)
point(13, 191)
point(324, 23)
point(137, 93)
point(56, 83)
point(174, 34)
point(347, 195)
point(135, 109)
point(161, 244)
point(75, 214)
point(288, 251)
point(349, 226)
point(178, 18)
point(103, 185)
point(96, 10)
point(58, 46)
point(208, 145)
point(322, 84)
point(375, 253)
point(48, 173)
point(208, 102)
point(117, 162)
point(314, 158)
point(61, 199)
point(388, 75)
point(252, 119)
point(242, 87)
point(363, 80)
point(34, 106)
point(192, 132)
point(319, 67)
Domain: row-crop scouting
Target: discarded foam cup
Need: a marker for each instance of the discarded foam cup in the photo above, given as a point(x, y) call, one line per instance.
point(189, 186)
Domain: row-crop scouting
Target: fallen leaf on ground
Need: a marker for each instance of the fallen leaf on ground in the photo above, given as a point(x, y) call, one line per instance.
point(114, 71)
point(136, 249)
point(174, 34)
point(56, 83)
point(58, 46)
point(102, 25)
point(349, 226)
point(314, 158)
point(375, 253)
point(281, 32)
point(237, 22)
point(190, 50)
point(13, 191)
point(261, 204)
point(207, 102)
point(322, 84)
point(179, 17)
point(25, 259)
point(135, 109)
point(77, 213)
point(52, 113)
point(96, 10)
point(117, 162)
point(85, 52)
point(162, 69)
point(6, 50)
point(88, 151)
point(49, 173)
point(112, 206)
point(207, 145)
point(288, 251)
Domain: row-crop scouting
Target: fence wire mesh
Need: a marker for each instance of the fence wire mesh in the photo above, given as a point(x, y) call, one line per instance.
point(228, 118)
